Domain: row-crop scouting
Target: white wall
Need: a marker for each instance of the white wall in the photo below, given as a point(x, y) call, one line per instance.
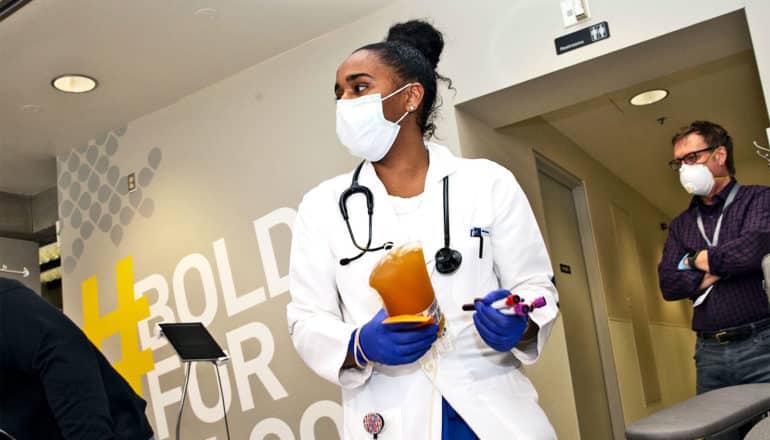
point(504, 43)
point(673, 361)
point(757, 16)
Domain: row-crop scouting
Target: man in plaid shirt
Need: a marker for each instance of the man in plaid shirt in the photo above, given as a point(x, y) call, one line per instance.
point(713, 257)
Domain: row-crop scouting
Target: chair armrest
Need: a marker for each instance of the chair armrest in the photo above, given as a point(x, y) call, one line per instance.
point(706, 414)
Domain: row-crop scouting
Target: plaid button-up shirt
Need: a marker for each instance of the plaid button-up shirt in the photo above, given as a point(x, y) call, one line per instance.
point(737, 298)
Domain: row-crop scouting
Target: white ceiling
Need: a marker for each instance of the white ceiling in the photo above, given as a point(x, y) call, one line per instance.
point(631, 143)
point(146, 54)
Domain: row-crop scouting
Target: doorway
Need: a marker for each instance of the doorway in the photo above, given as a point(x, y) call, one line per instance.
point(561, 194)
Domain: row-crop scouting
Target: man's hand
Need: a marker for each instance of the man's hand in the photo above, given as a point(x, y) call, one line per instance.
point(708, 280)
point(702, 261)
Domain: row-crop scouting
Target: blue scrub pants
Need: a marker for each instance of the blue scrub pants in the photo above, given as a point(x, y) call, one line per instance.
point(453, 427)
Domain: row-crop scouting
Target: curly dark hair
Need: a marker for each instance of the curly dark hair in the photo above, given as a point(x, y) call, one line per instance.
point(413, 50)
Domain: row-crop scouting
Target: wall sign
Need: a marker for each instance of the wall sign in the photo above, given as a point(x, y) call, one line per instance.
point(583, 37)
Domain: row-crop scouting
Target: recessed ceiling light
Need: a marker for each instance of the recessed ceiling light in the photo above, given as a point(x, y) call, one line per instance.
point(210, 13)
point(74, 83)
point(31, 108)
point(649, 97)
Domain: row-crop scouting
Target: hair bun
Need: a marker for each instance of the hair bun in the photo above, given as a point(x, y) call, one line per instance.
point(420, 35)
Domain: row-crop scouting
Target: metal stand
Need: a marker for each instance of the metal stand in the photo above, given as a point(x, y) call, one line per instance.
point(216, 364)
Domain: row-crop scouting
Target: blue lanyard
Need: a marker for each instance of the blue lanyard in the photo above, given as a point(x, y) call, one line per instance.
point(713, 242)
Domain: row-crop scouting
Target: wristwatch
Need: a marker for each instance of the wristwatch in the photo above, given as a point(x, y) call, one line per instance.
point(691, 259)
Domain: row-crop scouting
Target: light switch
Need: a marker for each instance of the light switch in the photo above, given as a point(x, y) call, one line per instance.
point(568, 13)
point(580, 10)
point(131, 182)
point(574, 11)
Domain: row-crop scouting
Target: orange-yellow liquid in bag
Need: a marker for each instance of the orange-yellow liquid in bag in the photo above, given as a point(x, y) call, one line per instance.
point(403, 283)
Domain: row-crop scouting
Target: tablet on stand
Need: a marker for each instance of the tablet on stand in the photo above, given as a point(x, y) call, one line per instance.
point(193, 343)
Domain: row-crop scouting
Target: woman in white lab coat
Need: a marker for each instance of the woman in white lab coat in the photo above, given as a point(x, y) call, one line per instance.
point(401, 381)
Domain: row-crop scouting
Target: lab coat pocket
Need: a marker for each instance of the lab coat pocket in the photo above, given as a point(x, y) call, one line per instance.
point(484, 236)
point(476, 273)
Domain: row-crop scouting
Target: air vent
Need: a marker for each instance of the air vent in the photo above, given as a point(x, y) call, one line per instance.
point(8, 7)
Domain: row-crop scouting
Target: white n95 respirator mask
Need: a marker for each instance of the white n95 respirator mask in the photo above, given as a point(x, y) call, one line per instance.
point(362, 127)
point(696, 179)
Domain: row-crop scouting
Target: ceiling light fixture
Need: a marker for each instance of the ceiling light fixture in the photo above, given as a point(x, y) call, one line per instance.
point(74, 83)
point(31, 108)
point(649, 97)
point(210, 13)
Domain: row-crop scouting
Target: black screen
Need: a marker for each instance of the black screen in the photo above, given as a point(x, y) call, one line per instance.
point(192, 341)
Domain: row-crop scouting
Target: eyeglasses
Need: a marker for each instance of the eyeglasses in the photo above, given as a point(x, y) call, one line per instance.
point(689, 159)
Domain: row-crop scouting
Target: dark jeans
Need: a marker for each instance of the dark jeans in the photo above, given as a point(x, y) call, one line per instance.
point(734, 363)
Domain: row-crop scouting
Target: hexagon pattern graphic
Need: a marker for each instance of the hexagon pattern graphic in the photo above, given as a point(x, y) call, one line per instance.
point(93, 193)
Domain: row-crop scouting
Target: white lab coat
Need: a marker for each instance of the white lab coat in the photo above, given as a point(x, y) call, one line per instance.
point(329, 301)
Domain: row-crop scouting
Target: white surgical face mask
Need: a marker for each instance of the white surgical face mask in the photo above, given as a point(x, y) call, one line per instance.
point(696, 179)
point(362, 127)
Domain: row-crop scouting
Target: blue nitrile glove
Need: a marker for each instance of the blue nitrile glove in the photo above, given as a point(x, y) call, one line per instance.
point(500, 331)
point(393, 344)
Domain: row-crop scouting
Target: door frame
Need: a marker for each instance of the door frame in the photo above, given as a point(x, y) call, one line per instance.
point(595, 285)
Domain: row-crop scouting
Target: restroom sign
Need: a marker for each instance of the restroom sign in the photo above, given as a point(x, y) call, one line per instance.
point(583, 37)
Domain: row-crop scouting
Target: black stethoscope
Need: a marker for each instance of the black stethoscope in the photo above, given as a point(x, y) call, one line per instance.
point(448, 260)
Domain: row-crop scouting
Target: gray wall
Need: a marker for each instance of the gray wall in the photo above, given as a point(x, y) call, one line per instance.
point(44, 209)
point(14, 214)
point(18, 254)
point(29, 217)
